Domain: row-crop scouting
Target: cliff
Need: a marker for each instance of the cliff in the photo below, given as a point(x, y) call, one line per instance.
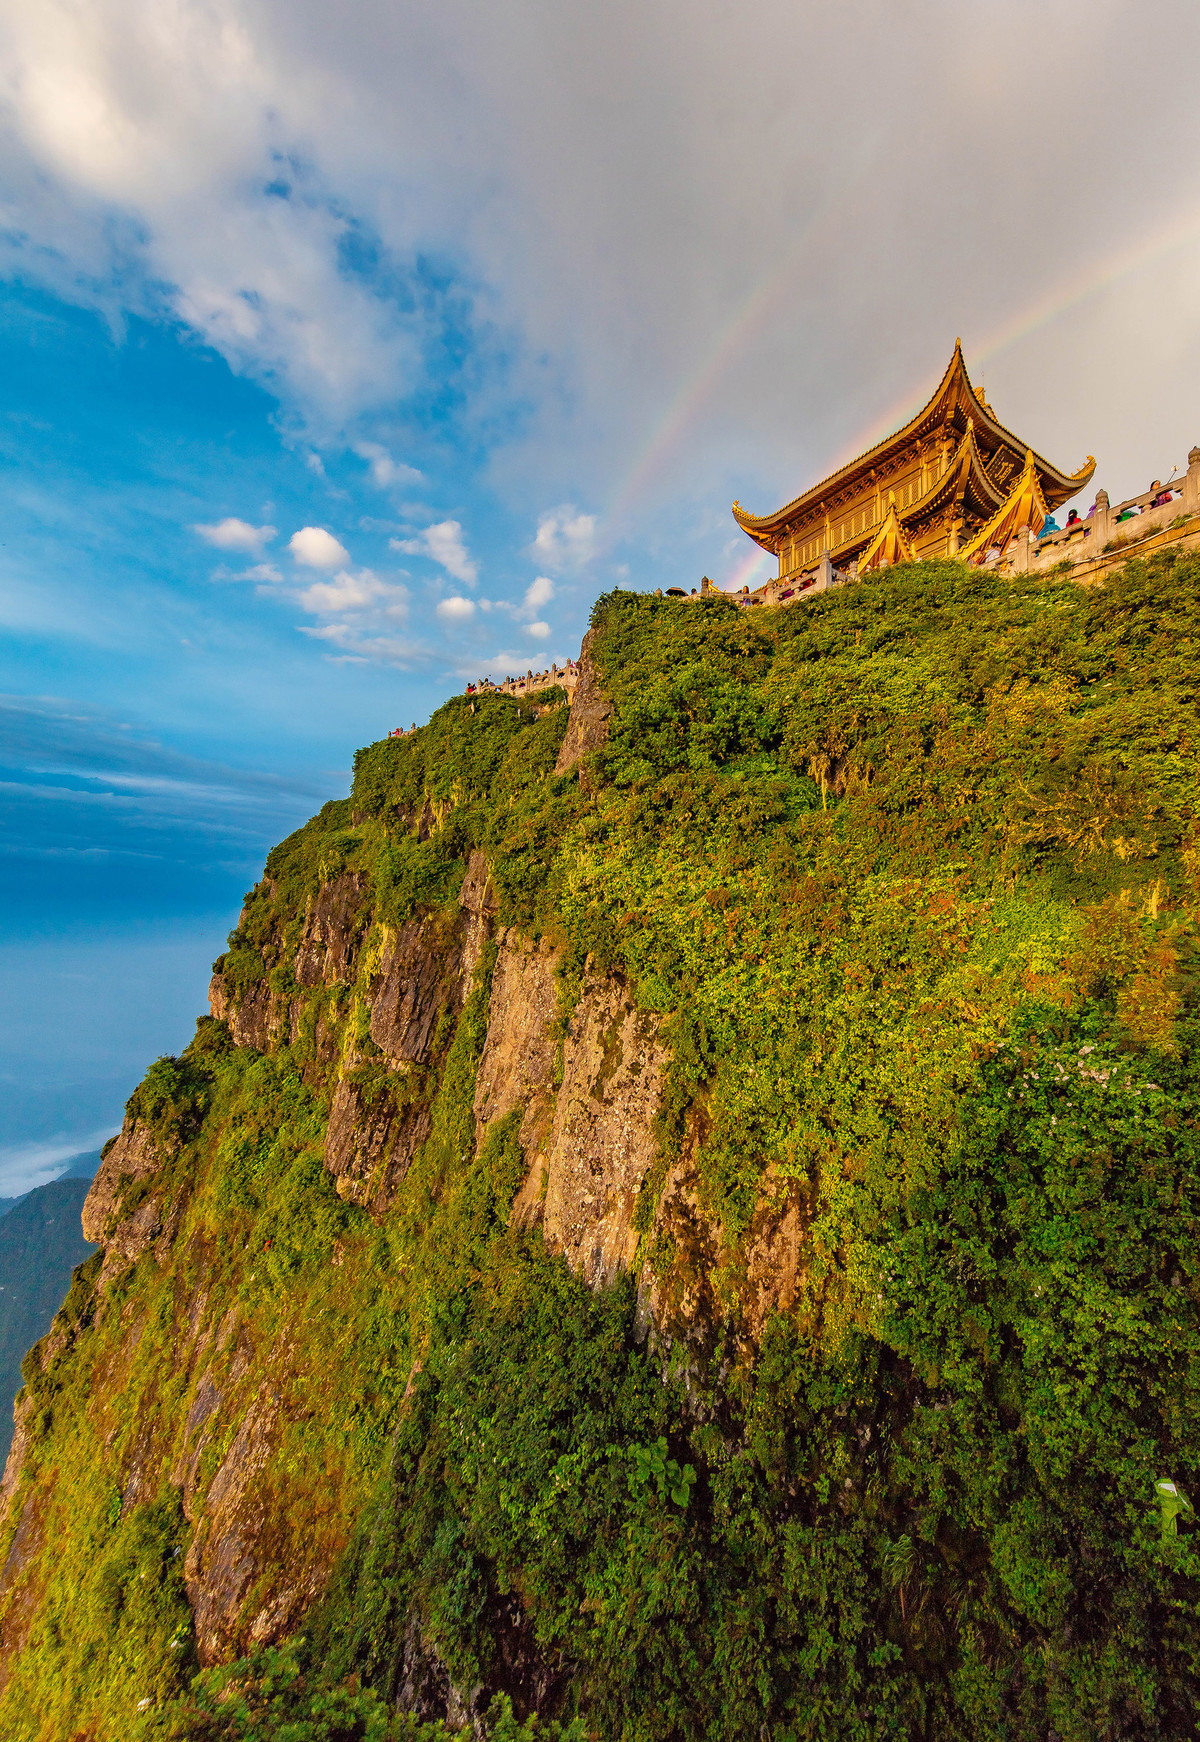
point(683, 1211)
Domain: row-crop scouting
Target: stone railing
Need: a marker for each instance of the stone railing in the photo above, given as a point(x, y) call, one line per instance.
point(800, 584)
point(1108, 527)
point(557, 677)
point(779, 590)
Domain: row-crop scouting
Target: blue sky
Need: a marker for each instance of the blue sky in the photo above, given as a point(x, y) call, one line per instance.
point(349, 353)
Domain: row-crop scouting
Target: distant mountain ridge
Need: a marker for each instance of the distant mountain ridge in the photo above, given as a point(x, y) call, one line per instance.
point(82, 1167)
point(41, 1242)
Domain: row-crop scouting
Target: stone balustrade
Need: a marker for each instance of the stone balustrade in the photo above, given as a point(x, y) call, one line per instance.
point(563, 677)
point(1107, 527)
point(1108, 530)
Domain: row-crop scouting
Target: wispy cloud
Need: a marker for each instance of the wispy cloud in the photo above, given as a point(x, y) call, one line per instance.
point(358, 591)
point(80, 780)
point(445, 544)
point(565, 538)
point(236, 535)
point(360, 644)
point(387, 472)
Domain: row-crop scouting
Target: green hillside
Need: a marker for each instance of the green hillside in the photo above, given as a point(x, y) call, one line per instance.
point(863, 1444)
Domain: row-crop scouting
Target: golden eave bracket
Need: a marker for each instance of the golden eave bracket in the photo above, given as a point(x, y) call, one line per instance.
point(1025, 505)
point(889, 545)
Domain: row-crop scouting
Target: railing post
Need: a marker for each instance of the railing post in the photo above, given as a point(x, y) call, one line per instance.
point(1190, 500)
point(1100, 523)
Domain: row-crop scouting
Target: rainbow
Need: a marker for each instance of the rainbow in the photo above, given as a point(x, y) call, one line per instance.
point(755, 310)
point(750, 315)
point(1042, 311)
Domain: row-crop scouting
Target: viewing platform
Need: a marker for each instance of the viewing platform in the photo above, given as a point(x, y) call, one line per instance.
point(1107, 535)
point(563, 677)
point(956, 482)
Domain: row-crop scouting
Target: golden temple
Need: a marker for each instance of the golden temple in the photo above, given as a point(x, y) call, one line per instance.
point(952, 481)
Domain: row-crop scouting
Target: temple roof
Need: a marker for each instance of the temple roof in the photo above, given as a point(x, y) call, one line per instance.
point(889, 545)
point(1025, 505)
point(954, 402)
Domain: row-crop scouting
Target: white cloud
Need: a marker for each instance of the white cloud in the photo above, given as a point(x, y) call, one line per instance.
point(317, 549)
point(354, 592)
point(565, 538)
point(264, 572)
point(662, 293)
point(456, 610)
point(234, 534)
point(385, 471)
point(538, 593)
point(540, 630)
point(361, 646)
point(26, 1165)
point(445, 544)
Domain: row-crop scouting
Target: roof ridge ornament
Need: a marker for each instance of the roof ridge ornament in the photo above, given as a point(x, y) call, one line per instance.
point(889, 545)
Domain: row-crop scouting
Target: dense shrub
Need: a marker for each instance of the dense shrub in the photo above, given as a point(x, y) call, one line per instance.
point(910, 874)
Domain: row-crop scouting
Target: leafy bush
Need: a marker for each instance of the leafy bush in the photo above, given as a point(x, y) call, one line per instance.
point(172, 1099)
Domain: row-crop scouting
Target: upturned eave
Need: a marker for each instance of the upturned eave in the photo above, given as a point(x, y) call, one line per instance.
point(953, 398)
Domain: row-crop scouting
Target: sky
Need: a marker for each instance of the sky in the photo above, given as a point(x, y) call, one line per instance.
point(349, 352)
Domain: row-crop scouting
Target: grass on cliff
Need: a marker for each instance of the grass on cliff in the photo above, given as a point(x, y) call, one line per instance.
point(910, 875)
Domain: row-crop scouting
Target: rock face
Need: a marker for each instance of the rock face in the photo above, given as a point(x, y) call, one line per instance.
point(420, 980)
point(517, 1066)
point(588, 1141)
point(586, 1081)
point(369, 1144)
point(333, 930)
point(478, 901)
point(602, 1144)
point(591, 710)
point(249, 1017)
point(116, 1214)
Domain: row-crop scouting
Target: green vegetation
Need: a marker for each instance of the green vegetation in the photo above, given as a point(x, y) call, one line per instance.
point(910, 875)
point(269, 1698)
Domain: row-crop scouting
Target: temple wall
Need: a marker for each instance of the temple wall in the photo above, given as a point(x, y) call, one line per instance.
point(563, 677)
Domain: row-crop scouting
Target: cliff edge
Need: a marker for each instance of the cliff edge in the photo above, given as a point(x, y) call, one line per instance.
point(680, 1214)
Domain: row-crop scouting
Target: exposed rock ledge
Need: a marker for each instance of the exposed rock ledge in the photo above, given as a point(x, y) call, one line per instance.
point(591, 710)
point(589, 1142)
point(133, 1158)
